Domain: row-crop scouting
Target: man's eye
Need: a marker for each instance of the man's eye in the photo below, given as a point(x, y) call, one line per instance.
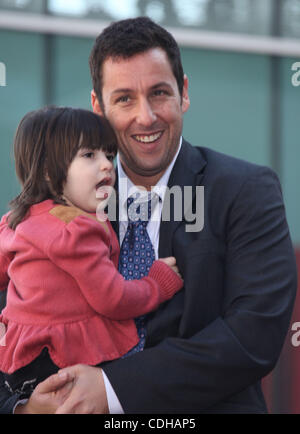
point(159, 92)
point(124, 98)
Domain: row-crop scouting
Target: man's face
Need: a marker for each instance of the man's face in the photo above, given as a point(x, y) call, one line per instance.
point(142, 102)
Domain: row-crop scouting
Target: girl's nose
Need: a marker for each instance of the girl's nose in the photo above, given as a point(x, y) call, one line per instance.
point(105, 163)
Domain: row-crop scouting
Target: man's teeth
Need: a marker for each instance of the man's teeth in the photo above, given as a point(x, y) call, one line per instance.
point(148, 139)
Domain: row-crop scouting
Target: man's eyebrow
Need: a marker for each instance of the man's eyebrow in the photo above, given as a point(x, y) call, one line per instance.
point(161, 84)
point(121, 90)
point(128, 90)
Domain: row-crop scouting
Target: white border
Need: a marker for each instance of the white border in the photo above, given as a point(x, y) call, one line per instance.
point(185, 37)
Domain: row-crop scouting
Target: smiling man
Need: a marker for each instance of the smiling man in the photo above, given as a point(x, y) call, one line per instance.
point(141, 98)
point(208, 348)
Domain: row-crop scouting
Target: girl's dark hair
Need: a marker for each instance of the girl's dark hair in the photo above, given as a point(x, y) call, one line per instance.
point(126, 38)
point(46, 142)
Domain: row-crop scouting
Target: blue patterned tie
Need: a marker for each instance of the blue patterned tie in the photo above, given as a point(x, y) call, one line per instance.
point(137, 256)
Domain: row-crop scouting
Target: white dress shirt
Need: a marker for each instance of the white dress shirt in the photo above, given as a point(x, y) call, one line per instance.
point(127, 188)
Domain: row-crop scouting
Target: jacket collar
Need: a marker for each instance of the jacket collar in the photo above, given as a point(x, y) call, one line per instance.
point(188, 171)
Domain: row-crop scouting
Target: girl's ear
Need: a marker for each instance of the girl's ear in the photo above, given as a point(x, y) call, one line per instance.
point(95, 104)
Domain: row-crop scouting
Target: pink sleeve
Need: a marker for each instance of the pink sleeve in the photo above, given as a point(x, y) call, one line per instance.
point(83, 250)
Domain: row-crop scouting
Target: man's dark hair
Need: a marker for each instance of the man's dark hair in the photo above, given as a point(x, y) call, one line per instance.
point(126, 38)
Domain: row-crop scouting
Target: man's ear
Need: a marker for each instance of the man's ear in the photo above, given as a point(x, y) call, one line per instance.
point(95, 103)
point(185, 100)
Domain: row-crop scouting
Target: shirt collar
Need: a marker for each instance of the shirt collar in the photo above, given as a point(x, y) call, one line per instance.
point(126, 186)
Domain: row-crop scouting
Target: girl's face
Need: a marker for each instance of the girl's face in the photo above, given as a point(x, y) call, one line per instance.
point(90, 177)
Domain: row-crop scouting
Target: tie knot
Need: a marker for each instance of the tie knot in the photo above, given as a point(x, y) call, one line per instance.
point(139, 208)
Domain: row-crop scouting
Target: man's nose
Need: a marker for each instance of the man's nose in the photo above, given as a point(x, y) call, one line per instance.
point(145, 114)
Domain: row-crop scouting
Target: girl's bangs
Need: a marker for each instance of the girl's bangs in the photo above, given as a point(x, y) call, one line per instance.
point(96, 133)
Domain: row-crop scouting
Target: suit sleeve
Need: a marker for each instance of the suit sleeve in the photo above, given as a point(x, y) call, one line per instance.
point(8, 401)
point(243, 344)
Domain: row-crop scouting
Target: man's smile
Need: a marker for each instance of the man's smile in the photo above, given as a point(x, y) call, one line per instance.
point(148, 138)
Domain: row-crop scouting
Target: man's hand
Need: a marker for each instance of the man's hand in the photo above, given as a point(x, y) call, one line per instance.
point(88, 394)
point(48, 395)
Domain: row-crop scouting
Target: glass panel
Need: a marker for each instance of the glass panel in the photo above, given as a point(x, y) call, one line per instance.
point(22, 54)
point(230, 103)
point(290, 157)
point(238, 16)
point(245, 16)
point(291, 18)
point(71, 81)
point(23, 5)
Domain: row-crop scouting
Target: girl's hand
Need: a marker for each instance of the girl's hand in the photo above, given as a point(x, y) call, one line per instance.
point(171, 261)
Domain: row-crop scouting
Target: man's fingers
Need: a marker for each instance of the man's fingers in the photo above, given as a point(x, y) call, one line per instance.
point(88, 395)
point(70, 371)
point(56, 381)
point(66, 408)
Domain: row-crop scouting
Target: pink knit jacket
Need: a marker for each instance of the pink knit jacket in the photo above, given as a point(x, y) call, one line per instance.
point(64, 290)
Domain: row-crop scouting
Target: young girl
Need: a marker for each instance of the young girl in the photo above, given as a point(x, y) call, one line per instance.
point(66, 301)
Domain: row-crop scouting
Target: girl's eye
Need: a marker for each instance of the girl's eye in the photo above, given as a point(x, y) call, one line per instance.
point(110, 157)
point(88, 155)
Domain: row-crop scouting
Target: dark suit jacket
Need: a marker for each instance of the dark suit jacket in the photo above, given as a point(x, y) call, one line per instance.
point(208, 348)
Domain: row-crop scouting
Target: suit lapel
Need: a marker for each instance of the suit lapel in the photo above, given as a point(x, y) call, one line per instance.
point(187, 171)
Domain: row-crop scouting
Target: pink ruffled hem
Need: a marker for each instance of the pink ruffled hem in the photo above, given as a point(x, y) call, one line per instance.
point(87, 341)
